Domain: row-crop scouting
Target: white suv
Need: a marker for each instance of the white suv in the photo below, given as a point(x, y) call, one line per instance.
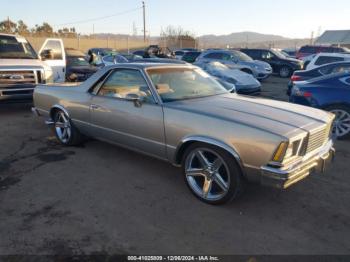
point(327, 58)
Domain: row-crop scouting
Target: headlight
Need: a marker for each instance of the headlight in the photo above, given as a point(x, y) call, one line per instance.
point(287, 150)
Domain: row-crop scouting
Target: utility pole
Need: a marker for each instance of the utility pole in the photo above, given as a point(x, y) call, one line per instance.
point(144, 21)
point(8, 25)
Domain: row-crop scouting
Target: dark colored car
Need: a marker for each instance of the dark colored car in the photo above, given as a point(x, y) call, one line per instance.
point(333, 68)
point(158, 60)
point(191, 56)
point(78, 68)
point(315, 49)
point(331, 93)
point(139, 53)
point(281, 64)
point(102, 51)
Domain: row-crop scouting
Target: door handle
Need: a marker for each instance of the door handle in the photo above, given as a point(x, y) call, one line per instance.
point(94, 106)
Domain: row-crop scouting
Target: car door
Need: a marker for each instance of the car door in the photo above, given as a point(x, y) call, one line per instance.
point(116, 116)
point(271, 59)
point(52, 52)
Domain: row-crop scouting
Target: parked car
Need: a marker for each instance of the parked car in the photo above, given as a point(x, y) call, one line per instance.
point(78, 68)
point(180, 114)
point(315, 49)
point(114, 59)
point(239, 60)
point(282, 65)
point(330, 93)
point(290, 52)
point(326, 58)
point(190, 56)
point(179, 54)
point(333, 68)
point(21, 68)
point(139, 53)
point(243, 83)
point(102, 51)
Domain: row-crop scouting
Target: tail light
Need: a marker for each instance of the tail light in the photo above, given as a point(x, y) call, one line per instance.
point(297, 92)
point(295, 78)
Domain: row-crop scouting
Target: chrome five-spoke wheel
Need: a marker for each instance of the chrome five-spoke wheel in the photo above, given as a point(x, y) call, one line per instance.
point(211, 174)
point(341, 125)
point(63, 127)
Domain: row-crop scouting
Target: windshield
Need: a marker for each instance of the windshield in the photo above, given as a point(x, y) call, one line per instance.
point(16, 48)
point(174, 84)
point(77, 61)
point(278, 53)
point(241, 56)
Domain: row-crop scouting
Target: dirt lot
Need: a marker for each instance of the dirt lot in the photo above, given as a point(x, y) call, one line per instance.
point(100, 198)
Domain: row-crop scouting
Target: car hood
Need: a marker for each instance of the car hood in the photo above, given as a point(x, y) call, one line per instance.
point(24, 63)
point(244, 80)
point(279, 118)
point(287, 59)
point(258, 63)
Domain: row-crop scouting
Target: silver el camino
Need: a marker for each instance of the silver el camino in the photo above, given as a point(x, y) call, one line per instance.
point(180, 114)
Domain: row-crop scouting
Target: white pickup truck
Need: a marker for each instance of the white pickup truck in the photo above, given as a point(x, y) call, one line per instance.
point(21, 68)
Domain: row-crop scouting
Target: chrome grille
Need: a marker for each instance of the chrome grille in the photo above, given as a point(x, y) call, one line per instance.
point(318, 138)
point(18, 77)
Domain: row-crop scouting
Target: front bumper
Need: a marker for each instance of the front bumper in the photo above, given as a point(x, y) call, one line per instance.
point(262, 75)
point(283, 178)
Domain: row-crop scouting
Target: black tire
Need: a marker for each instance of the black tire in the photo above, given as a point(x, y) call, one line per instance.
point(75, 138)
point(285, 71)
point(236, 185)
point(340, 108)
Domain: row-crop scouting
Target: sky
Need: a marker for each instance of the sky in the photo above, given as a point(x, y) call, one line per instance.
point(293, 18)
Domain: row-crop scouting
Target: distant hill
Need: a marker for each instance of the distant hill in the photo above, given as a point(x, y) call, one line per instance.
point(240, 37)
point(250, 39)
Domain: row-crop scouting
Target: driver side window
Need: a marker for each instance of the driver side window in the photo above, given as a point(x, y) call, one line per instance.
point(125, 82)
point(266, 55)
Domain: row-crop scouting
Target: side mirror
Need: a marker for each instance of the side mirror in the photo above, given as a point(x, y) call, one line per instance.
point(47, 54)
point(134, 98)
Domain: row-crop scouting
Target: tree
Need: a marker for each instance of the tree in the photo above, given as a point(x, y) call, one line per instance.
point(177, 37)
point(22, 28)
point(7, 26)
point(44, 30)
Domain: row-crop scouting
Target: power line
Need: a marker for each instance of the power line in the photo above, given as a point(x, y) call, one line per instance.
point(100, 18)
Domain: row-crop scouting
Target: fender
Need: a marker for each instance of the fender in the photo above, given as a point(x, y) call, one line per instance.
point(208, 140)
point(60, 107)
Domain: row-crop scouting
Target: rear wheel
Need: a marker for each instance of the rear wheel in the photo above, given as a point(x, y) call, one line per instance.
point(211, 174)
point(341, 125)
point(285, 72)
point(65, 130)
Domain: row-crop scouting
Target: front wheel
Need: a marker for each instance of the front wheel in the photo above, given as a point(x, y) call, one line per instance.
point(211, 174)
point(285, 72)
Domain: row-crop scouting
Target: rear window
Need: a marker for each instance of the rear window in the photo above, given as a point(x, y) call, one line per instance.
point(214, 56)
point(322, 60)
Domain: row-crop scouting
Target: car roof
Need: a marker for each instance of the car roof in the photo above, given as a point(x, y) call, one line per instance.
point(150, 65)
point(333, 54)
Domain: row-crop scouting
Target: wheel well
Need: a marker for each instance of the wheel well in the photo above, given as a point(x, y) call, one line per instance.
point(57, 108)
point(180, 152)
point(53, 111)
point(247, 70)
